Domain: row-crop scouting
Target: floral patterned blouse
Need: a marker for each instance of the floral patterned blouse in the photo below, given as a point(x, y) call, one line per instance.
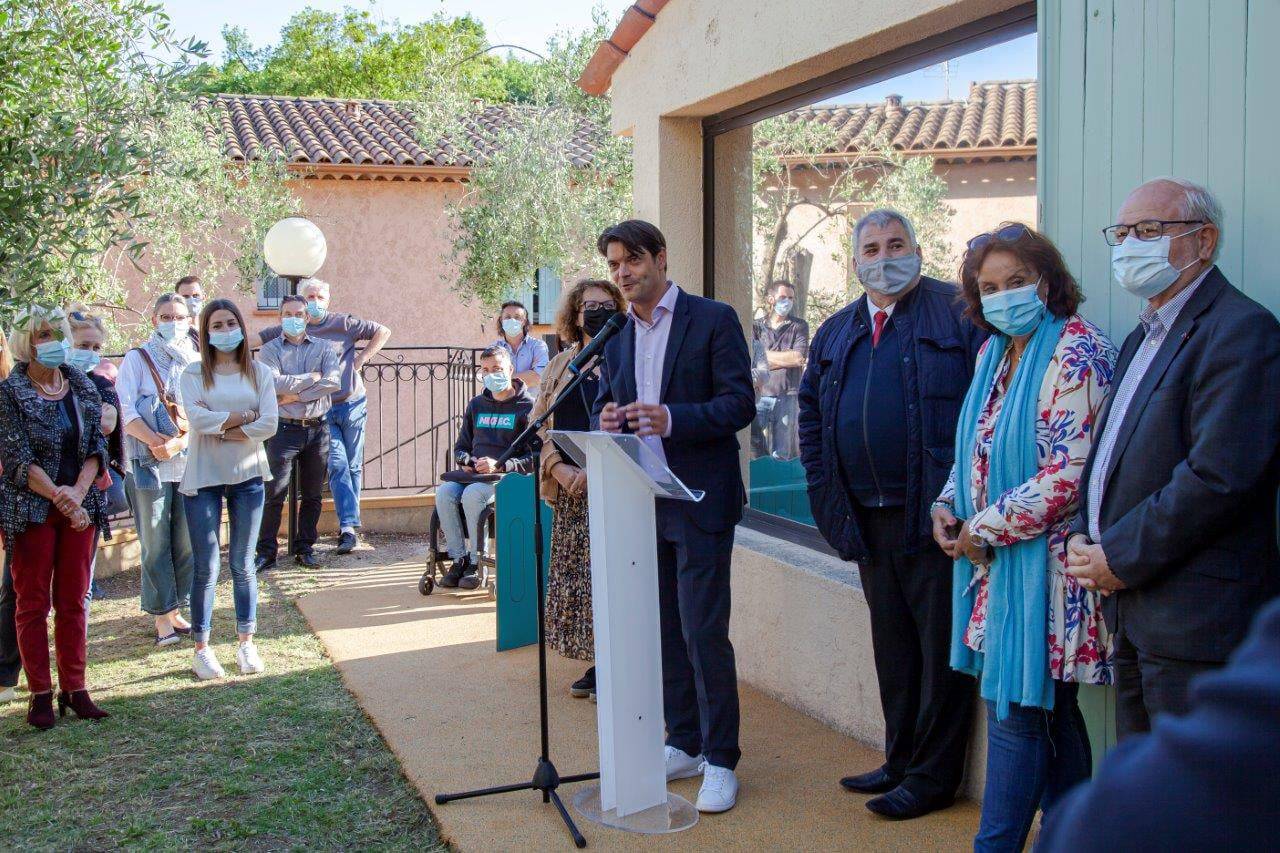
point(1074, 388)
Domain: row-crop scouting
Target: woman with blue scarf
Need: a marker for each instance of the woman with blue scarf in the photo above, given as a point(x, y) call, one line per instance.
point(1020, 623)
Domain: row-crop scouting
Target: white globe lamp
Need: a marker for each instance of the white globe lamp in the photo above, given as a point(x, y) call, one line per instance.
point(295, 249)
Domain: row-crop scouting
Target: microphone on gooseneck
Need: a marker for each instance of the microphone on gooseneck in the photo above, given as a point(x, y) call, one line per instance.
point(589, 352)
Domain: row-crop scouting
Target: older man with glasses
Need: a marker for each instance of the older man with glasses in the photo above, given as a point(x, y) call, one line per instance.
point(1178, 523)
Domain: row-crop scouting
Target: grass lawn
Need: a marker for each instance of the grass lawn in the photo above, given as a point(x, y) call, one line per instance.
point(282, 760)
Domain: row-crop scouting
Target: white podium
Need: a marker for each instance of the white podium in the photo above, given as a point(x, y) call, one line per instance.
point(623, 477)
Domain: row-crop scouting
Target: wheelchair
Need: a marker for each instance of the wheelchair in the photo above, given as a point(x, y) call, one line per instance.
point(486, 546)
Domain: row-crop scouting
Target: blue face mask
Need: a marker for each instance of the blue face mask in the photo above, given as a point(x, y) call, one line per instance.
point(512, 327)
point(84, 359)
point(314, 309)
point(226, 341)
point(497, 382)
point(172, 330)
point(293, 326)
point(783, 307)
point(52, 353)
point(1014, 312)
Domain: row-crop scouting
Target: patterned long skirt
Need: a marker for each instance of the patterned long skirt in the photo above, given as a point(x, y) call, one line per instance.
point(569, 581)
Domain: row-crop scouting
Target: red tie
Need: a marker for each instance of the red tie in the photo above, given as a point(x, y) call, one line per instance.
point(880, 318)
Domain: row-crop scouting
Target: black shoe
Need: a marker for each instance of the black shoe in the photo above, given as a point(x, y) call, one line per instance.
point(453, 577)
point(584, 686)
point(262, 564)
point(307, 560)
point(875, 782)
point(471, 579)
point(901, 804)
point(346, 543)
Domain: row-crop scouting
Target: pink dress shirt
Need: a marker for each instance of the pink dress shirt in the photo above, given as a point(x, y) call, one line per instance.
point(651, 352)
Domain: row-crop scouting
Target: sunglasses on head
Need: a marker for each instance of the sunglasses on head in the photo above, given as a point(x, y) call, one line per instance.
point(1007, 234)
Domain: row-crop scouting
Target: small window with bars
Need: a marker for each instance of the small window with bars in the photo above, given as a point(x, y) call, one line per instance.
point(271, 289)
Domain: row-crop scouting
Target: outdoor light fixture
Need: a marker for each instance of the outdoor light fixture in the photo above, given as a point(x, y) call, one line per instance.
point(294, 249)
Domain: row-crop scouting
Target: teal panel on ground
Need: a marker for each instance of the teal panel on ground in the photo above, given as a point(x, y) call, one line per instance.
point(778, 488)
point(517, 606)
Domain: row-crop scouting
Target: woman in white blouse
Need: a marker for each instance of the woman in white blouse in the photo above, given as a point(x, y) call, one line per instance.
point(230, 403)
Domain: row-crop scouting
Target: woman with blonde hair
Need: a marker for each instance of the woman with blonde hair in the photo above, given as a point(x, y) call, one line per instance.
point(584, 310)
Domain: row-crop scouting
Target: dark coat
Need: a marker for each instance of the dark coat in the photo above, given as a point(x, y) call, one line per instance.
point(1188, 518)
point(940, 347)
point(31, 436)
point(1209, 780)
point(706, 385)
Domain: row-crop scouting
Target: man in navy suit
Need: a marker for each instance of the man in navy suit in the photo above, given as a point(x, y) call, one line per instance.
point(1177, 522)
point(679, 376)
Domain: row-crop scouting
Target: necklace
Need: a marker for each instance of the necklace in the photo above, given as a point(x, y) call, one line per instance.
point(57, 389)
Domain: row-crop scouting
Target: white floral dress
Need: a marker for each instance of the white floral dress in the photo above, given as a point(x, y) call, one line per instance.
point(1074, 388)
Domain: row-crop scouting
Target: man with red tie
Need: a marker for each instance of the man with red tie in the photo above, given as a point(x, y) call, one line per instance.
point(879, 402)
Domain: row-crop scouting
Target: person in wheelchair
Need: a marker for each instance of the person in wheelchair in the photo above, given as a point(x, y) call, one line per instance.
point(492, 421)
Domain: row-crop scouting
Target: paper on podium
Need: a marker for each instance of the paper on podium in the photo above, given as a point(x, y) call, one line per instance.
point(663, 482)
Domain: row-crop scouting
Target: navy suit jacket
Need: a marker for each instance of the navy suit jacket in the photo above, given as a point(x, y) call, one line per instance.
point(706, 385)
point(1188, 516)
point(1209, 780)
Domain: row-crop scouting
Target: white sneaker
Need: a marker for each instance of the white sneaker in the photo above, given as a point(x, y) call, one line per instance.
point(8, 694)
point(206, 666)
point(248, 658)
point(682, 765)
point(719, 789)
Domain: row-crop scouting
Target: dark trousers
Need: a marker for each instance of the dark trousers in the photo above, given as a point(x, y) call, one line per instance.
point(1147, 685)
point(927, 705)
point(10, 658)
point(310, 446)
point(699, 676)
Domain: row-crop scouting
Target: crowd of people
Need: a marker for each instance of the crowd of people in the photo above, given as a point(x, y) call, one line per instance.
point(188, 426)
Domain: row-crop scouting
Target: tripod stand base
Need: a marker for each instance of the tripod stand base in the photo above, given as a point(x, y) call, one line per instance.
point(545, 780)
point(674, 815)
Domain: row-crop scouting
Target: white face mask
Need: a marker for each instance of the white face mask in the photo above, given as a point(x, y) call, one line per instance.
point(1142, 266)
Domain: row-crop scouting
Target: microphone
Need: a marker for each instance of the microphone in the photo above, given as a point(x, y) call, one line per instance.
point(611, 328)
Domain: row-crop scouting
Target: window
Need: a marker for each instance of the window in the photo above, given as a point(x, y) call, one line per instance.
point(541, 295)
point(270, 289)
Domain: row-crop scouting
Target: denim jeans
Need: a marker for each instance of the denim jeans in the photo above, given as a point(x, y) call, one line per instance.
point(161, 520)
point(204, 518)
point(346, 457)
point(454, 499)
point(1034, 756)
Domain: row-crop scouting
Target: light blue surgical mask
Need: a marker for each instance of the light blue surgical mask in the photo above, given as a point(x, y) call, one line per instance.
point(293, 326)
point(194, 305)
point(497, 382)
point(226, 341)
point(84, 359)
point(314, 309)
point(890, 276)
point(512, 327)
point(52, 353)
point(172, 330)
point(1014, 312)
point(783, 307)
point(1142, 266)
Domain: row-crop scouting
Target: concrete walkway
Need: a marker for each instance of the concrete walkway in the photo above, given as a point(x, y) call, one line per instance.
point(459, 715)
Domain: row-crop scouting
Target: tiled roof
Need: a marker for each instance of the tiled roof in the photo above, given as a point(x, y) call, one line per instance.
point(995, 116)
point(325, 132)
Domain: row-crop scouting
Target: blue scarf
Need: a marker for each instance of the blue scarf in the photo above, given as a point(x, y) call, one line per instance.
point(1014, 668)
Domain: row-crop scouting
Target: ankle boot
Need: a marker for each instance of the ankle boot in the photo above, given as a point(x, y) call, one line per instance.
point(81, 704)
point(40, 710)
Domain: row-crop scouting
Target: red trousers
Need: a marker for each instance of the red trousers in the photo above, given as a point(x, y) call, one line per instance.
point(51, 566)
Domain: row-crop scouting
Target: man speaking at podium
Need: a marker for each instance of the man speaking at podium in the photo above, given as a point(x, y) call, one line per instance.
point(679, 376)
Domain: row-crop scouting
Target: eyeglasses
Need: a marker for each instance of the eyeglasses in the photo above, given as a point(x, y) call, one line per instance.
point(594, 306)
point(1007, 234)
point(1148, 230)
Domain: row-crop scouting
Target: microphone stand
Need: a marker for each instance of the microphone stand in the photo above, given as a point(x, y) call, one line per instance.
point(546, 778)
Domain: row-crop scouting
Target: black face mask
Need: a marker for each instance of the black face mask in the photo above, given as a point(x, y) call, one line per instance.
point(594, 320)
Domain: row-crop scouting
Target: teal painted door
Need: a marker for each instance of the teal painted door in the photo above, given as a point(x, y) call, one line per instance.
point(1136, 89)
point(517, 578)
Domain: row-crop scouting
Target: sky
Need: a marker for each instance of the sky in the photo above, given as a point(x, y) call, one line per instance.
point(529, 23)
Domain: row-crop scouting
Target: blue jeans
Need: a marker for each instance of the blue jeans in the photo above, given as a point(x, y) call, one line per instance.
point(204, 518)
point(454, 499)
point(1034, 756)
point(346, 457)
point(160, 517)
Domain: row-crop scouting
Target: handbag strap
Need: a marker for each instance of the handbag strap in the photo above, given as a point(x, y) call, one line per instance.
point(170, 406)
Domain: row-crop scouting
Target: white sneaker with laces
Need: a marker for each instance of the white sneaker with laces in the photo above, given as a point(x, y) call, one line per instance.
point(8, 694)
point(206, 666)
point(719, 789)
point(248, 658)
point(681, 765)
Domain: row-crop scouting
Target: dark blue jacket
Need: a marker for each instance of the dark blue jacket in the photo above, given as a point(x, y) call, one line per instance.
point(1188, 513)
point(706, 385)
point(1209, 780)
point(939, 349)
